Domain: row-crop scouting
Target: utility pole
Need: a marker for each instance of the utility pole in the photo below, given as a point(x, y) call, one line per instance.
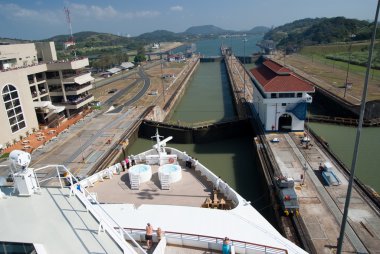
point(358, 132)
point(244, 41)
point(348, 64)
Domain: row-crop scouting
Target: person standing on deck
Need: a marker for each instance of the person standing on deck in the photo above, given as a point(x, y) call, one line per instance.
point(149, 235)
point(226, 248)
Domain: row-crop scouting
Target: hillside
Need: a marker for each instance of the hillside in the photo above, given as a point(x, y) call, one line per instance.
point(205, 30)
point(319, 31)
point(159, 36)
point(92, 39)
point(13, 41)
point(259, 30)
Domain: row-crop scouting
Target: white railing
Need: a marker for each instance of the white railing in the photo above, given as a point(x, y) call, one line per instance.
point(218, 183)
point(161, 246)
point(208, 242)
point(106, 222)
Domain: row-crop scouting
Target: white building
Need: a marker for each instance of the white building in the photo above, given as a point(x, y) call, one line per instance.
point(156, 46)
point(37, 89)
point(280, 97)
point(68, 44)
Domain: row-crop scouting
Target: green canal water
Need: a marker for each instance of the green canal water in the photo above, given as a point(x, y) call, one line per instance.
point(208, 97)
point(341, 140)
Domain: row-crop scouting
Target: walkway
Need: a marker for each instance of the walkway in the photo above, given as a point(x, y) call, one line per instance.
point(354, 239)
point(245, 89)
point(41, 137)
point(321, 206)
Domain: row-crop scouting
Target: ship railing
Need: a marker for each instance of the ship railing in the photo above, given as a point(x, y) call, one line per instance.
point(106, 222)
point(217, 182)
point(207, 242)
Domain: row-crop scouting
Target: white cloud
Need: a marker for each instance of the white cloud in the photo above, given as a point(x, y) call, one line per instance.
point(14, 11)
point(176, 8)
point(101, 13)
point(93, 11)
point(146, 13)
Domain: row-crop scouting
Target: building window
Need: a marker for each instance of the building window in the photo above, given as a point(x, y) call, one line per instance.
point(286, 95)
point(13, 108)
point(299, 95)
point(273, 95)
point(283, 104)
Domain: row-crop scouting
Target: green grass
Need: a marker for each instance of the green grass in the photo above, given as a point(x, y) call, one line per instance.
point(4, 155)
point(333, 48)
point(320, 56)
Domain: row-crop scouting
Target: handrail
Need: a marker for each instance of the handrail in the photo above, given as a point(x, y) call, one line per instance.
point(217, 240)
point(104, 222)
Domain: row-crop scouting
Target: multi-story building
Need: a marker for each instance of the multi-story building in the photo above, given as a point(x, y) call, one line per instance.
point(38, 89)
point(280, 97)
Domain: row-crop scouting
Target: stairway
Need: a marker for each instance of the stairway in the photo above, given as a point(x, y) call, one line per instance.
point(165, 182)
point(134, 181)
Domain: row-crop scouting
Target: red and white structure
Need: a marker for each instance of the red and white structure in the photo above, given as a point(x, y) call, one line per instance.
point(280, 97)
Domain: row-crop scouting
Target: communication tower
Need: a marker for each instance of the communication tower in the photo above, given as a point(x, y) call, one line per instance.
point(70, 41)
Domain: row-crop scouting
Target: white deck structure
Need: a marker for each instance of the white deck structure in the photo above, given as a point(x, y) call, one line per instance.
point(71, 221)
point(59, 223)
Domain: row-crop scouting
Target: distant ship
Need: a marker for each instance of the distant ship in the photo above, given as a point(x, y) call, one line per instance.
point(108, 211)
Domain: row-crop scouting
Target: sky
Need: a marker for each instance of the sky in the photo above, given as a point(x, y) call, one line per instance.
point(41, 19)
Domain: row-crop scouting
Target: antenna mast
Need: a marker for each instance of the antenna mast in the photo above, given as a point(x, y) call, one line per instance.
point(70, 41)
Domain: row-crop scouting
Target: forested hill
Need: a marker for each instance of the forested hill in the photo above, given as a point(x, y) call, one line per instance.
point(319, 31)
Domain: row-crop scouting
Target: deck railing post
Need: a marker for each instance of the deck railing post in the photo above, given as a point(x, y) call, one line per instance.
point(59, 176)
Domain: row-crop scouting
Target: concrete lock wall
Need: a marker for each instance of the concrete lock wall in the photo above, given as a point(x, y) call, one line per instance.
point(184, 135)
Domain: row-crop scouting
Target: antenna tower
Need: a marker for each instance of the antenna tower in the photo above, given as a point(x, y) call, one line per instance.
point(70, 41)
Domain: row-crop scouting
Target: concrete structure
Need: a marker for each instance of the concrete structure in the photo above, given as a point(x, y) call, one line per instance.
point(38, 89)
point(280, 97)
point(126, 65)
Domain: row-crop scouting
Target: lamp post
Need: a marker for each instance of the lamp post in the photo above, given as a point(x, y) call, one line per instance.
point(358, 133)
point(82, 148)
point(244, 41)
point(348, 64)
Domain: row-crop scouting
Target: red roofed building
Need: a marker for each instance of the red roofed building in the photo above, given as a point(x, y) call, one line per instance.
point(280, 97)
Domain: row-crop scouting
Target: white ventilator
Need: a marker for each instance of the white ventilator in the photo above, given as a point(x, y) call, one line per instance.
point(24, 178)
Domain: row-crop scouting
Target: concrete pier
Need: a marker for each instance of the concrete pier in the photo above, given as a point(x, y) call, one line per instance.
point(320, 206)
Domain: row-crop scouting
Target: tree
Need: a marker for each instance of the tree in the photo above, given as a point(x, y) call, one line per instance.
point(140, 57)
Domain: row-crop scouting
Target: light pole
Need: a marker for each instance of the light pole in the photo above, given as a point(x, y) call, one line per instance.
point(348, 64)
point(82, 148)
point(358, 133)
point(244, 40)
point(162, 81)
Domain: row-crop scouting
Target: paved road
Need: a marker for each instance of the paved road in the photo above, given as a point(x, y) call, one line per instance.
point(135, 98)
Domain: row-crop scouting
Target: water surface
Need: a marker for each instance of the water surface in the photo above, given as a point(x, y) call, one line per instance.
point(341, 140)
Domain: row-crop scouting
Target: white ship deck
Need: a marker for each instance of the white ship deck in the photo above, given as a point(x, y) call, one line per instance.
point(191, 190)
point(179, 212)
point(59, 222)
